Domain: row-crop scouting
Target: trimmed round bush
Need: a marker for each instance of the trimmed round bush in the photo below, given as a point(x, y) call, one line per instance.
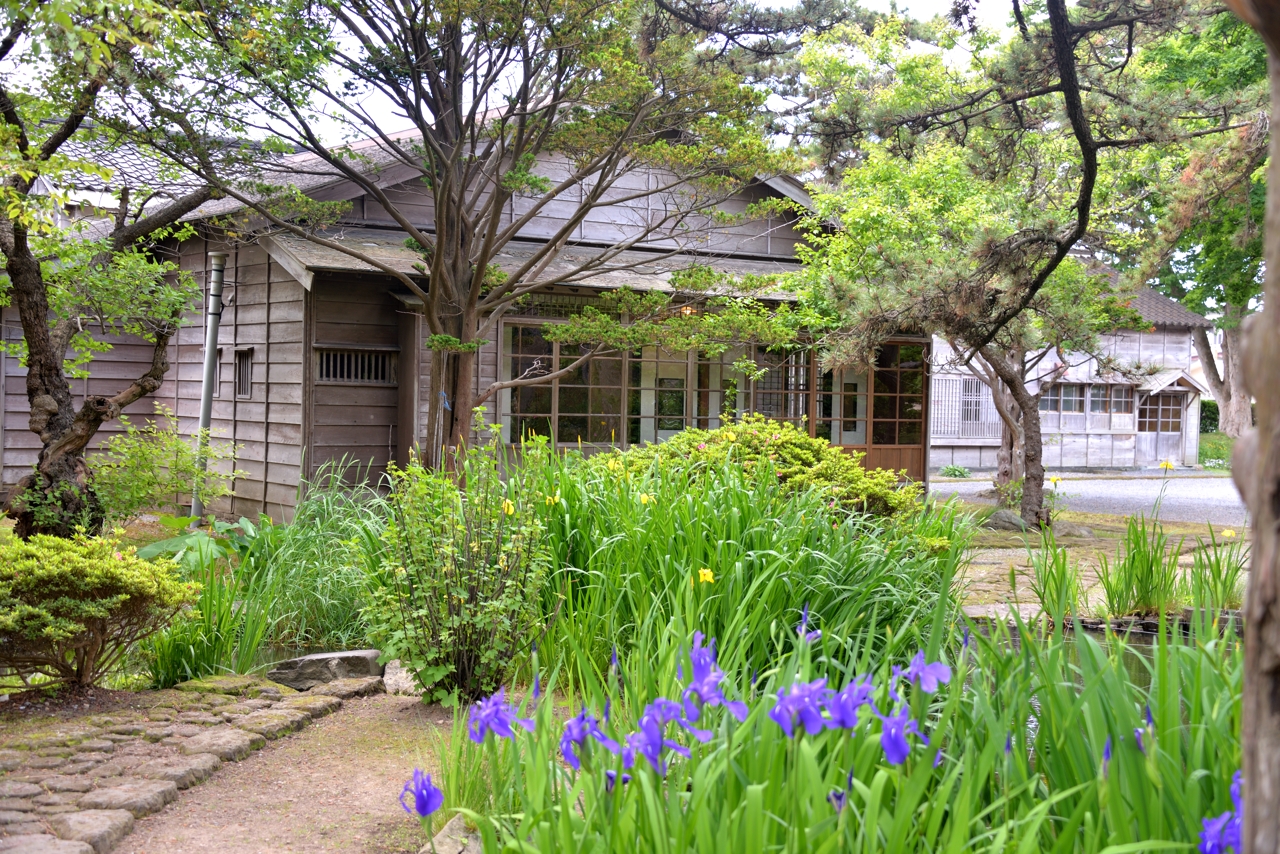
point(801, 462)
point(71, 608)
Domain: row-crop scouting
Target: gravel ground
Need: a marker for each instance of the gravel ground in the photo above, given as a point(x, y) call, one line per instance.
point(1187, 498)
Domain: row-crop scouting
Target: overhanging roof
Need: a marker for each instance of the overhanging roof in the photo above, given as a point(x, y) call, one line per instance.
point(1162, 380)
point(639, 270)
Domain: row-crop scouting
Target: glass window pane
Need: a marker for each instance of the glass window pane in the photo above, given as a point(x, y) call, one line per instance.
point(909, 433)
point(911, 356)
point(573, 399)
point(887, 357)
point(606, 401)
point(912, 382)
point(523, 427)
point(604, 429)
point(886, 407)
point(532, 399)
point(911, 408)
point(1098, 398)
point(886, 382)
point(884, 432)
point(573, 429)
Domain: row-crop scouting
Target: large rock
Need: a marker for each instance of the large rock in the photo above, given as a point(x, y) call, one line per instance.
point(400, 681)
point(102, 829)
point(14, 789)
point(323, 667)
point(226, 743)
point(1005, 520)
point(140, 797)
point(454, 838)
point(312, 706)
point(43, 843)
point(250, 687)
point(1063, 528)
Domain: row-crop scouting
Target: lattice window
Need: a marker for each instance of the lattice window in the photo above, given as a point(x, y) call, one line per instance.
point(244, 373)
point(356, 367)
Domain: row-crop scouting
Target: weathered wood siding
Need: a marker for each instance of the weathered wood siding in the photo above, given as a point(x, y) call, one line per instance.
point(354, 422)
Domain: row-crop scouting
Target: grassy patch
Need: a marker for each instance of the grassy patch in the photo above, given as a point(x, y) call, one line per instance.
point(1215, 450)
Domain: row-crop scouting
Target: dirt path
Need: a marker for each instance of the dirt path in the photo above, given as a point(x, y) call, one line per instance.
point(331, 787)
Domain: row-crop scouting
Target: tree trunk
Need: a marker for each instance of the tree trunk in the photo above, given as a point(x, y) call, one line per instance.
point(1010, 466)
point(1235, 410)
point(1032, 508)
point(1235, 414)
point(1256, 469)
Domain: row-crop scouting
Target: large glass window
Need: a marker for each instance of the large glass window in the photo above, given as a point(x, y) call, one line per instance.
point(1161, 413)
point(1063, 397)
point(1114, 398)
point(651, 394)
point(897, 409)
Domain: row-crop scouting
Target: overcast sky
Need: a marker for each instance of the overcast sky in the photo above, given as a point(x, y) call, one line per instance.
point(993, 14)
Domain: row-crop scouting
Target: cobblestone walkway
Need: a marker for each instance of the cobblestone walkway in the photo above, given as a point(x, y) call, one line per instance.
point(78, 788)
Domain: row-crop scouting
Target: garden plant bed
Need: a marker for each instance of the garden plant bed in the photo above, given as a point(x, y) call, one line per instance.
point(76, 785)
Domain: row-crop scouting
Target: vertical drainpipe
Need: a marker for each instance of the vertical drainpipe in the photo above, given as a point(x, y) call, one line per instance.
point(213, 317)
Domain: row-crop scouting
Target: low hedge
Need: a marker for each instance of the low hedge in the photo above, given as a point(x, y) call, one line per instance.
point(71, 608)
point(800, 460)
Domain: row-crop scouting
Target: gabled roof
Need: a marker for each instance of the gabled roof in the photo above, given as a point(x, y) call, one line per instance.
point(1161, 381)
point(1160, 310)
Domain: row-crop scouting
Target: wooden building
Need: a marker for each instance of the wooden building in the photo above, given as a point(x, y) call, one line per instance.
point(321, 357)
point(1146, 416)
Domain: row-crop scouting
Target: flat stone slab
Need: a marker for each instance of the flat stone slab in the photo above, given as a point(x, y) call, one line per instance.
point(102, 829)
point(13, 789)
point(10, 759)
point(251, 687)
point(140, 797)
point(312, 705)
point(43, 843)
point(227, 743)
point(68, 784)
point(454, 838)
point(183, 771)
point(345, 689)
point(273, 723)
point(324, 667)
point(13, 817)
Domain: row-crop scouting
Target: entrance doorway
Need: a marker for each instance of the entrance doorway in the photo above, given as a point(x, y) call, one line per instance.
point(1160, 418)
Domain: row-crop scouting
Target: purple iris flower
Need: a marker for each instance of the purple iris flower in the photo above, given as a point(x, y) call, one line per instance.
point(964, 644)
point(1106, 756)
point(613, 660)
point(494, 715)
point(1008, 744)
point(838, 798)
point(649, 742)
point(808, 636)
point(928, 676)
point(1150, 721)
point(537, 687)
point(1213, 835)
point(894, 737)
point(1235, 828)
point(705, 687)
point(426, 797)
point(666, 711)
point(843, 707)
point(611, 780)
point(803, 701)
point(937, 758)
point(1137, 736)
point(576, 732)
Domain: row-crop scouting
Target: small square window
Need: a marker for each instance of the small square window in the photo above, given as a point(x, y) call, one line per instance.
point(217, 373)
point(244, 373)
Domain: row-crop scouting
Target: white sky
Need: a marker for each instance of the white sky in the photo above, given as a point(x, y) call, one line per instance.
point(992, 14)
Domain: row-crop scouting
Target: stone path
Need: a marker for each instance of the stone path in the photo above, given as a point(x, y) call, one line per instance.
point(79, 788)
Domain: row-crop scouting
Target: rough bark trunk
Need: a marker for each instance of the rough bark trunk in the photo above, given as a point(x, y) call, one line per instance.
point(1010, 466)
point(1256, 469)
point(1235, 410)
point(1032, 508)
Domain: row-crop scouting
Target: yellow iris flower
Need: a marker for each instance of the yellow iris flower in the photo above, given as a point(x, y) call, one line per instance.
point(508, 507)
point(1055, 480)
point(705, 575)
point(1228, 533)
point(647, 498)
point(1167, 465)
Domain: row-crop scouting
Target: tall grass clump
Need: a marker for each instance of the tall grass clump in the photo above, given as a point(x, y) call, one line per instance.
point(227, 626)
point(726, 550)
point(1144, 578)
point(321, 560)
point(1217, 573)
point(1055, 580)
point(957, 741)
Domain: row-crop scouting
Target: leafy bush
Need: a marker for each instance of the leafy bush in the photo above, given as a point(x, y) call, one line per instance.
point(155, 468)
point(462, 601)
point(1209, 415)
point(1215, 450)
point(1217, 572)
point(953, 470)
point(800, 462)
point(71, 609)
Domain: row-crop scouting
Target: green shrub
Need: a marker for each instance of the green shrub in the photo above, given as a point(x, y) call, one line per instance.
point(800, 461)
point(1209, 414)
point(1215, 450)
point(1144, 578)
point(154, 467)
point(953, 470)
point(462, 602)
point(71, 609)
